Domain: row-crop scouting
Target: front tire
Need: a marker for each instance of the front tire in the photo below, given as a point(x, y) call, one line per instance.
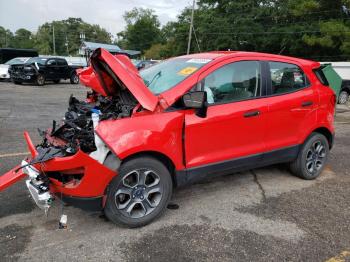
point(40, 80)
point(312, 157)
point(74, 79)
point(140, 192)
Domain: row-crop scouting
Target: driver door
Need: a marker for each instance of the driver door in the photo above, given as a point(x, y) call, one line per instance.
point(52, 70)
point(231, 135)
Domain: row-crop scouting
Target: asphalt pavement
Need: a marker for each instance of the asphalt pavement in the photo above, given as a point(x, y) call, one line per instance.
point(259, 215)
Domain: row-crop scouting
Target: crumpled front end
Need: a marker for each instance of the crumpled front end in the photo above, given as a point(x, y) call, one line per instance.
point(72, 162)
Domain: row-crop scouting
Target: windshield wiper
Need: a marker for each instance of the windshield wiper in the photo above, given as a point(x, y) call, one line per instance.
point(156, 76)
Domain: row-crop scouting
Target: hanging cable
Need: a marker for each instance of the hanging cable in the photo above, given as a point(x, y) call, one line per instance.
point(195, 36)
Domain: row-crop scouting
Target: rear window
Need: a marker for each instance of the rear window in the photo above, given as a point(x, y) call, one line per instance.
point(320, 75)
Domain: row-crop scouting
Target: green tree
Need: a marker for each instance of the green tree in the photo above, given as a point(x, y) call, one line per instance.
point(67, 36)
point(142, 30)
point(305, 28)
point(6, 37)
point(22, 38)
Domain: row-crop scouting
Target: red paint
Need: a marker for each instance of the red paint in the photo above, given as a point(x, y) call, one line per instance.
point(11, 177)
point(125, 71)
point(184, 138)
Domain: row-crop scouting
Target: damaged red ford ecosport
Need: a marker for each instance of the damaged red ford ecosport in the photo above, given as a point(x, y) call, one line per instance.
point(140, 134)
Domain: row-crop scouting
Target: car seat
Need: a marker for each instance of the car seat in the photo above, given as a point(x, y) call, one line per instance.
point(240, 88)
point(287, 83)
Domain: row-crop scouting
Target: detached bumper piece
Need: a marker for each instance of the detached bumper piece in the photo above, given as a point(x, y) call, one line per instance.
point(38, 187)
point(11, 177)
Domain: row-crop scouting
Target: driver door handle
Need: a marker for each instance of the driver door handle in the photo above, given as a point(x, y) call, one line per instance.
point(306, 103)
point(252, 113)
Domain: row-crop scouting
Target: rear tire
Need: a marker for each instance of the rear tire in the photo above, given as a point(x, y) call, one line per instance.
point(312, 157)
point(17, 82)
point(74, 79)
point(40, 80)
point(139, 193)
point(343, 97)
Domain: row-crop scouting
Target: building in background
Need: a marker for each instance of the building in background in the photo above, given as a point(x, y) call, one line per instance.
point(87, 48)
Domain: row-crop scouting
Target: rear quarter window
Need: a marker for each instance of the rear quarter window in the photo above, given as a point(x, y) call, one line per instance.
point(320, 75)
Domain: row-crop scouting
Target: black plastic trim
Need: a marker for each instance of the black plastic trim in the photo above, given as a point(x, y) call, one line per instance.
point(92, 204)
point(195, 174)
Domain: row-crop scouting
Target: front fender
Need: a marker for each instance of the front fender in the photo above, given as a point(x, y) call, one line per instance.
point(159, 132)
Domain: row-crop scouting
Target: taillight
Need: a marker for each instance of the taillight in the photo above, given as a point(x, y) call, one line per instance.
point(334, 100)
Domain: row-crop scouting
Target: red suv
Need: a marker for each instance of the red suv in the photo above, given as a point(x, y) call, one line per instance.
point(140, 134)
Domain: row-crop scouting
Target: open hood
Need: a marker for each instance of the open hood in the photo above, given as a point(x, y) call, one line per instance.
point(108, 74)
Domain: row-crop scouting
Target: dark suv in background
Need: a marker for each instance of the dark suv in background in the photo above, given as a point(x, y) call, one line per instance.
point(38, 70)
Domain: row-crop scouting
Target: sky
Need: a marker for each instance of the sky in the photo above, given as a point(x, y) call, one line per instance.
point(29, 14)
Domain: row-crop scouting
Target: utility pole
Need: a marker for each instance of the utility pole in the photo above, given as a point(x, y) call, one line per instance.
point(66, 44)
point(53, 39)
point(191, 28)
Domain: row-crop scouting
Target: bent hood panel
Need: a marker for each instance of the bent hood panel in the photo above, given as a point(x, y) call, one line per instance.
point(109, 73)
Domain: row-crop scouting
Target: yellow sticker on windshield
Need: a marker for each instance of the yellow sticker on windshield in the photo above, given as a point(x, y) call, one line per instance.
point(187, 70)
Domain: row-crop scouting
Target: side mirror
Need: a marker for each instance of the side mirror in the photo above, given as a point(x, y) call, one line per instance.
point(197, 100)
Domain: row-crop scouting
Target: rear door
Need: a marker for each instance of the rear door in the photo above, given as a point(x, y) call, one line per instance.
point(231, 135)
point(292, 102)
point(62, 68)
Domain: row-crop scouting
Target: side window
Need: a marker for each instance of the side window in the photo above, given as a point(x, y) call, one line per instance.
point(287, 78)
point(61, 62)
point(51, 62)
point(233, 82)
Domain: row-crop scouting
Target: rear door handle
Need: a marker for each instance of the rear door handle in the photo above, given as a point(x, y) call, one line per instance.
point(252, 113)
point(306, 103)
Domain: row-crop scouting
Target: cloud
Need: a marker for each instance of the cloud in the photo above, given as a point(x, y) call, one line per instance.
point(30, 14)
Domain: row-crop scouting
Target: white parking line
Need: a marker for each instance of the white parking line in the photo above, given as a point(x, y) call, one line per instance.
point(14, 154)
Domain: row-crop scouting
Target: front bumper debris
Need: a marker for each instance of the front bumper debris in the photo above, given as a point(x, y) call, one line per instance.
point(11, 177)
point(38, 187)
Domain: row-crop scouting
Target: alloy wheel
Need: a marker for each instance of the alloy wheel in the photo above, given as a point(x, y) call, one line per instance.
point(75, 79)
point(343, 97)
point(315, 157)
point(139, 193)
point(40, 79)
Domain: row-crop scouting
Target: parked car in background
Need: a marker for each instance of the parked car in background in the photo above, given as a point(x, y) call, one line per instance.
point(7, 54)
point(142, 64)
point(343, 70)
point(38, 70)
point(139, 134)
point(4, 68)
point(76, 61)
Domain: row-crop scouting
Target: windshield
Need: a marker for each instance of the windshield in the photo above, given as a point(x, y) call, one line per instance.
point(18, 60)
point(165, 75)
point(38, 60)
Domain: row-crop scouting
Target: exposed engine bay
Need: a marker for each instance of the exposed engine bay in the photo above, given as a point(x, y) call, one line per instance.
point(76, 131)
